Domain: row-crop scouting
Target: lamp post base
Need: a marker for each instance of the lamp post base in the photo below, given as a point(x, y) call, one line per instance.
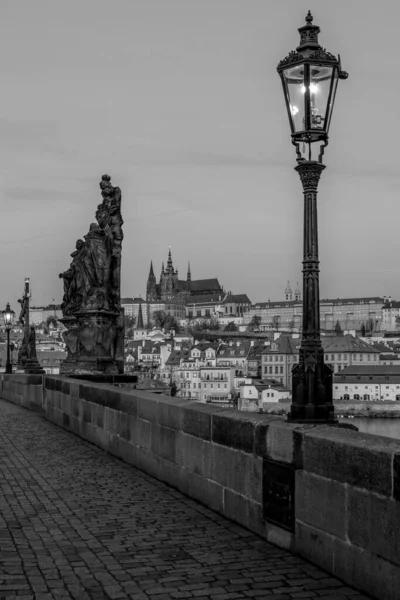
point(312, 391)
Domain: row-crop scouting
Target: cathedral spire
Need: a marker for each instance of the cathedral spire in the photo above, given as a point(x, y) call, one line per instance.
point(139, 324)
point(169, 263)
point(189, 275)
point(162, 269)
point(151, 274)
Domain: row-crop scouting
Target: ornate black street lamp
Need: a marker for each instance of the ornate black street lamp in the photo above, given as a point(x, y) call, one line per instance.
point(8, 316)
point(309, 77)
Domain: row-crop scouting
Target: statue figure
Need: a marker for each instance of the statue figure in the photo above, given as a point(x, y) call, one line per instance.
point(23, 302)
point(32, 343)
point(91, 301)
point(73, 281)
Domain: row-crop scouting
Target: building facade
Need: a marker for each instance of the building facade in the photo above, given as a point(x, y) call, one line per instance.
point(367, 382)
point(350, 313)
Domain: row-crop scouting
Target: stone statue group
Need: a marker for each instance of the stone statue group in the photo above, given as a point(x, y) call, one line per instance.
point(92, 282)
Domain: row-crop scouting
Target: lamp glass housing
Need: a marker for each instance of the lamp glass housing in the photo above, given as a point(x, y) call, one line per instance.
point(8, 316)
point(310, 90)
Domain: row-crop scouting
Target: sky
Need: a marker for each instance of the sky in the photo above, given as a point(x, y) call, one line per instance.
point(180, 102)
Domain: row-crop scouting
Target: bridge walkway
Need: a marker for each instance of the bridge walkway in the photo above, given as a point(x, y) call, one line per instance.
point(77, 523)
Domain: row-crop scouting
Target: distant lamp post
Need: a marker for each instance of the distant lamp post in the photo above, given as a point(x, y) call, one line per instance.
point(8, 316)
point(309, 77)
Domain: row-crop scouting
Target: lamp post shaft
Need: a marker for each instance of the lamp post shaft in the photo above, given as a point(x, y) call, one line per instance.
point(8, 362)
point(312, 379)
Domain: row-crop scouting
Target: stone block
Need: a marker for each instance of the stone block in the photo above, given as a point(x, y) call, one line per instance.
point(362, 460)
point(315, 545)
point(237, 471)
point(233, 429)
point(236, 507)
point(169, 412)
point(100, 416)
point(66, 421)
point(284, 442)
point(170, 472)
point(321, 502)
point(365, 571)
point(194, 454)
point(142, 433)
point(374, 523)
point(148, 462)
point(396, 476)
point(128, 404)
point(124, 426)
point(86, 412)
point(205, 491)
point(163, 441)
point(147, 407)
point(197, 418)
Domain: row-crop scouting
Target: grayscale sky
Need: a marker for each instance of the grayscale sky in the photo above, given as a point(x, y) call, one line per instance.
point(180, 102)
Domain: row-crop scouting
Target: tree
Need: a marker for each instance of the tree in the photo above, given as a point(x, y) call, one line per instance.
point(231, 327)
point(171, 323)
point(338, 328)
point(254, 324)
point(275, 322)
point(369, 327)
point(159, 317)
point(129, 325)
point(363, 330)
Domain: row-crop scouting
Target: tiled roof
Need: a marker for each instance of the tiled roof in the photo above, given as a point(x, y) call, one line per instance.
point(205, 284)
point(175, 357)
point(234, 351)
point(148, 383)
point(133, 301)
point(336, 301)
point(370, 370)
point(238, 298)
point(347, 343)
point(393, 304)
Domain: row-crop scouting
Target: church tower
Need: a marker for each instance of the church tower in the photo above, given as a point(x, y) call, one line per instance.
point(189, 275)
point(288, 292)
point(151, 288)
point(139, 324)
point(297, 293)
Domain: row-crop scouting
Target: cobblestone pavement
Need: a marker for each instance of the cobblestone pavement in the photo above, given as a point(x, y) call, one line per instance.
point(78, 523)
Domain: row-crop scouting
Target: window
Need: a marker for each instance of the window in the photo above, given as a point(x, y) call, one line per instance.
point(387, 387)
point(281, 369)
point(276, 370)
point(344, 356)
point(270, 370)
point(276, 358)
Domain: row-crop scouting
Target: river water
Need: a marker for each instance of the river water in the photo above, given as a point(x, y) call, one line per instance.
point(387, 427)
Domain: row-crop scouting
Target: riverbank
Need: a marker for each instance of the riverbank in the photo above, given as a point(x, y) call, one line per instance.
point(380, 409)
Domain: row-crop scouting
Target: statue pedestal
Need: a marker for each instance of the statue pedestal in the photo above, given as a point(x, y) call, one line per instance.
point(92, 341)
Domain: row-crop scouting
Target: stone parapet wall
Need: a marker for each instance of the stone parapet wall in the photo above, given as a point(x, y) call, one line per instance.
point(347, 484)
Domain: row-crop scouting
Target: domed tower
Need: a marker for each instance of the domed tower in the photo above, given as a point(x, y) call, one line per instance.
point(288, 292)
point(151, 288)
point(297, 293)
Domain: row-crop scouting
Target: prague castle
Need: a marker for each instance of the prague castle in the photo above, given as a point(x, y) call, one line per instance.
point(172, 289)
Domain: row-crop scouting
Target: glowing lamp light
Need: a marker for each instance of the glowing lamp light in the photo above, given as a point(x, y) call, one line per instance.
point(8, 316)
point(310, 76)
